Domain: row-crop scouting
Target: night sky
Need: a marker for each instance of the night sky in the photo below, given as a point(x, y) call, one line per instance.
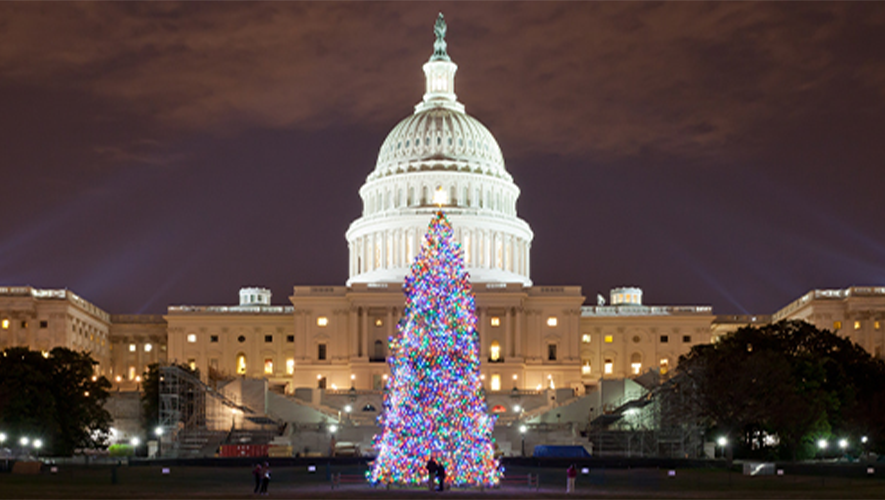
point(724, 154)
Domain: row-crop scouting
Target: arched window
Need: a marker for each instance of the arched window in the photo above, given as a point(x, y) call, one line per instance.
point(241, 364)
point(495, 351)
point(379, 350)
point(636, 363)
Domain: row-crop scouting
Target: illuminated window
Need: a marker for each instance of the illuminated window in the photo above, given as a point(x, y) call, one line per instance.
point(131, 373)
point(322, 321)
point(837, 325)
point(268, 366)
point(636, 363)
point(131, 347)
point(148, 347)
point(290, 366)
point(241, 364)
point(495, 351)
point(321, 352)
point(665, 366)
point(609, 366)
point(609, 339)
point(857, 325)
point(495, 321)
point(5, 324)
point(192, 363)
point(379, 322)
point(585, 338)
point(552, 321)
point(876, 325)
point(496, 382)
point(551, 352)
point(585, 368)
point(192, 338)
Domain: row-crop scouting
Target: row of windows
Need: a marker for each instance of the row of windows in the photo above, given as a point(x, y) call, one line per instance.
point(635, 366)
point(241, 365)
point(268, 339)
point(585, 338)
point(837, 325)
point(495, 321)
point(5, 324)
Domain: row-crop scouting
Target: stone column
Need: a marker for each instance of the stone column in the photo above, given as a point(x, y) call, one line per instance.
point(508, 334)
point(305, 328)
point(520, 318)
point(353, 332)
point(389, 320)
point(364, 333)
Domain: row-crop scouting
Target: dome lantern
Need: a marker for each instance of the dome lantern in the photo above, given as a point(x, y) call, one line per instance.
point(439, 72)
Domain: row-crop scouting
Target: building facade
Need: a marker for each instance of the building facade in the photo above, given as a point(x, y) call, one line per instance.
point(534, 339)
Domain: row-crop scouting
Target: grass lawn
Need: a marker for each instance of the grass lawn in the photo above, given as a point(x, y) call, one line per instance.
point(296, 482)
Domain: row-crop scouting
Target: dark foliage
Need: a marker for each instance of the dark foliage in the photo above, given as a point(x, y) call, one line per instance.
point(788, 380)
point(55, 397)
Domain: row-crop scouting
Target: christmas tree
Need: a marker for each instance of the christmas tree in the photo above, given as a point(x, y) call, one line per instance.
point(434, 404)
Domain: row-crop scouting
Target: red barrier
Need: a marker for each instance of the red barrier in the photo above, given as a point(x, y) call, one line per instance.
point(244, 450)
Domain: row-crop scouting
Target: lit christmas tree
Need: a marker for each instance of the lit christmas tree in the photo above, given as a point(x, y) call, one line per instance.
point(435, 404)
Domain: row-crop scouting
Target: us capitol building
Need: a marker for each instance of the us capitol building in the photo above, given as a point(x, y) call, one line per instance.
point(538, 342)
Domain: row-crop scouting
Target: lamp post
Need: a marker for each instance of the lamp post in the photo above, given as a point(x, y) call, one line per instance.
point(332, 430)
point(159, 432)
point(722, 442)
point(822, 446)
point(522, 429)
point(23, 442)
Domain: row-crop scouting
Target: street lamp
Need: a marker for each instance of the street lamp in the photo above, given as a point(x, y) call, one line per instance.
point(38, 443)
point(722, 442)
point(843, 443)
point(522, 429)
point(822, 445)
point(2, 438)
point(159, 432)
point(24, 441)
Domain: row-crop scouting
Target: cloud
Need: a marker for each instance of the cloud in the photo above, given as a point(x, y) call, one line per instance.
point(612, 79)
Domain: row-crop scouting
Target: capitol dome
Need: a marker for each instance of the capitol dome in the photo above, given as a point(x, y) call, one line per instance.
point(439, 150)
point(440, 138)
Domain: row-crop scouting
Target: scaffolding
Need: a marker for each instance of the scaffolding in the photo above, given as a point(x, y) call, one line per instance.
point(194, 416)
point(662, 422)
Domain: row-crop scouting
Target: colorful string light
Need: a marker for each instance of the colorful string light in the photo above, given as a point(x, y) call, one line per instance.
point(434, 403)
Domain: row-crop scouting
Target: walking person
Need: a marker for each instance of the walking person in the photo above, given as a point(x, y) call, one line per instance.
point(257, 473)
point(441, 477)
point(265, 478)
point(432, 467)
point(571, 474)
